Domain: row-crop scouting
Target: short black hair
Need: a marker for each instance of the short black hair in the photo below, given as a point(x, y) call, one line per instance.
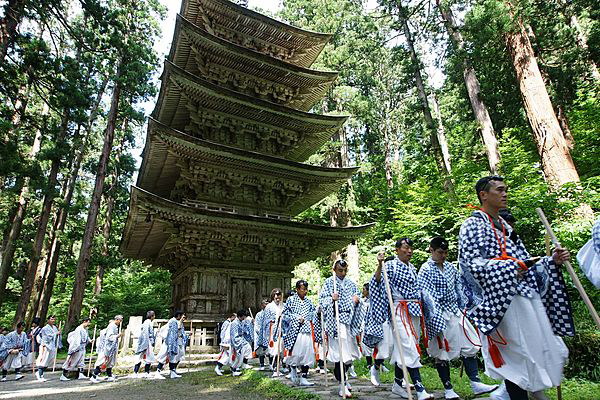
point(242, 313)
point(438, 242)
point(342, 263)
point(483, 184)
point(506, 215)
point(290, 293)
point(150, 314)
point(36, 321)
point(366, 286)
point(403, 240)
point(20, 325)
point(50, 316)
point(178, 313)
point(301, 282)
point(85, 319)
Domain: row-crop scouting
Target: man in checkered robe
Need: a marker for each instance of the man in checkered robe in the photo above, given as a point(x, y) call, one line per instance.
point(451, 335)
point(270, 324)
point(406, 297)
point(107, 350)
point(145, 346)
point(523, 304)
point(14, 350)
point(50, 341)
point(78, 341)
point(351, 314)
point(299, 321)
point(241, 339)
point(260, 341)
point(172, 349)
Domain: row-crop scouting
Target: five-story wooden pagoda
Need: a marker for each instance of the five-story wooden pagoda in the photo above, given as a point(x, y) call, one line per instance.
point(222, 173)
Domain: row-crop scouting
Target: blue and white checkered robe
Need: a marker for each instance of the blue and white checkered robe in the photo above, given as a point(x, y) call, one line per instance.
point(109, 345)
point(259, 335)
point(14, 341)
point(172, 336)
point(293, 309)
point(441, 291)
point(596, 236)
point(495, 282)
point(50, 338)
point(78, 339)
point(146, 336)
point(403, 284)
point(241, 333)
point(350, 314)
point(269, 323)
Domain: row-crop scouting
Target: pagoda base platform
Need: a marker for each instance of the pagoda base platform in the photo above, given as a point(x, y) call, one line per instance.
point(209, 293)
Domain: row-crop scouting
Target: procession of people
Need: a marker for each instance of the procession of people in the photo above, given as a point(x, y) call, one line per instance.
point(502, 306)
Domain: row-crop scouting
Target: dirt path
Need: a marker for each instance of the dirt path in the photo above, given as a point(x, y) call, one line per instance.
point(123, 388)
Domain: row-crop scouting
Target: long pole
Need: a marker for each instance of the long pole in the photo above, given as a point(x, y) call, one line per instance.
point(118, 343)
point(56, 345)
point(279, 340)
point(324, 345)
point(337, 323)
point(388, 291)
point(549, 253)
point(570, 269)
point(191, 343)
point(92, 350)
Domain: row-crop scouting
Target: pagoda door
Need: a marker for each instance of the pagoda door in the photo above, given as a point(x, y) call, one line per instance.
point(244, 294)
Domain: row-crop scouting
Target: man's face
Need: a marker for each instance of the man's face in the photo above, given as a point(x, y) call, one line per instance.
point(86, 324)
point(51, 321)
point(438, 255)
point(19, 329)
point(365, 292)
point(117, 322)
point(301, 291)
point(496, 197)
point(404, 252)
point(341, 270)
point(278, 298)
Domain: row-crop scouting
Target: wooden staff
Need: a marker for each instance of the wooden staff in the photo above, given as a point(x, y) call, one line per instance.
point(118, 342)
point(337, 323)
point(56, 345)
point(324, 345)
point(570, 269)
point(191, 343)
point(92, 350)
point(251, 316)
point(549, 253)
point(388, 291)
point(279, 339)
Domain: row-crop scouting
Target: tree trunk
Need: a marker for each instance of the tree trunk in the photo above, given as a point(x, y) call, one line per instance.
point(436, 140)
point(13, 13)
point(43, 263)
point(32, 268)
point(90, 227)
point(110, 203)
point(8, 252)
point(482, 116)
point(559, 109)
point(441, 133)
point(388, 152)
point(63, 212)
point(557, 163)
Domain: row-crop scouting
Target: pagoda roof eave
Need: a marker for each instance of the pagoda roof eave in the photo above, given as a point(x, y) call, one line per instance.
point(312, 83)
point(159, 171)
point(170, 109)
point(251, 23)
point(152, 220)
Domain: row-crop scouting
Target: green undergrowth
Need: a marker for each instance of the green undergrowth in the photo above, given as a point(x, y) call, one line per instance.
point(250, 382)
